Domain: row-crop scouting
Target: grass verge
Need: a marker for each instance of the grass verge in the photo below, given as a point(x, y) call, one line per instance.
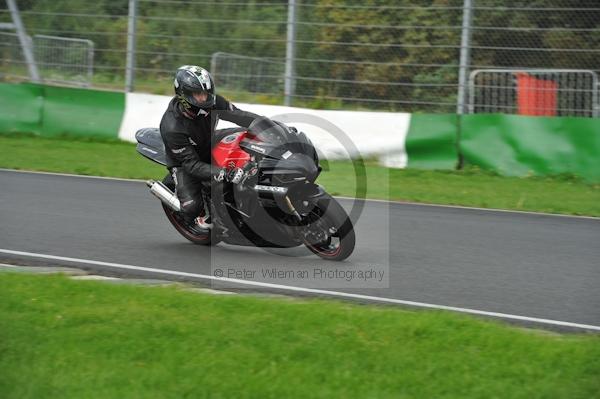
point(471, 187)
point(74, 339)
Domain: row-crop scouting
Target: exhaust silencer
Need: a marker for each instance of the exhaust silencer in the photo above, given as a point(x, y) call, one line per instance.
point(163, 193)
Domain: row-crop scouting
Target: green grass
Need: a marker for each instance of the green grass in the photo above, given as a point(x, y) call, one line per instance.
point(61, 338)
point(471, 187)
point(72, 155)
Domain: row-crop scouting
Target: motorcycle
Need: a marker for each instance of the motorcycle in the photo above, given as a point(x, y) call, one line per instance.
point(277, 205)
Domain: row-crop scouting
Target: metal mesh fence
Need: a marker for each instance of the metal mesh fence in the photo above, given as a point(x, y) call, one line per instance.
point(250, 74)
point(550, 92)
point(12, 62)
point(399, 55)
point(10, 51)
point(64, 60)
point(59, 59)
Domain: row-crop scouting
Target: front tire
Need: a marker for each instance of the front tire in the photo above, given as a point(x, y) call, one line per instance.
point(330, 234)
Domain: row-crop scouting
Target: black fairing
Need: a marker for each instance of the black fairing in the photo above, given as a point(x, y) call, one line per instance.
point(150, 144)
point(293, 169)
point(288, 156)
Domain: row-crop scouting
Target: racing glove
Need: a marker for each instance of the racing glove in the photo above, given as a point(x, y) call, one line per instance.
point(236, 175)
point(220, 175)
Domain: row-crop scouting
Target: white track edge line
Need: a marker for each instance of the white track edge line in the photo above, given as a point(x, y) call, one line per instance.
point(309, 290)
point(38, 172)
point(336, 196)
point(473, 208)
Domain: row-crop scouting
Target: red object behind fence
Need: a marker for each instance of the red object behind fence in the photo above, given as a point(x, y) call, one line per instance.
point(535, 96)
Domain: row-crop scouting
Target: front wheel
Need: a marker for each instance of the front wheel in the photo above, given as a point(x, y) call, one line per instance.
point(329, 232)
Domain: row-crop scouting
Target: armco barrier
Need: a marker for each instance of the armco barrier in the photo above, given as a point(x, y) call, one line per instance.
point(522, 145)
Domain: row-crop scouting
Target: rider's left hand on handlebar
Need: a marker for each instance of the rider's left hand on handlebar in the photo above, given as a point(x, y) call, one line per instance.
point(236, 175)
point(239, 175)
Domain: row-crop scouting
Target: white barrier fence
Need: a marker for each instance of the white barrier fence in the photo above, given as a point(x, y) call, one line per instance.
point(335, 134)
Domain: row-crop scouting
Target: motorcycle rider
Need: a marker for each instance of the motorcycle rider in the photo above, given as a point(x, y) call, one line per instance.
point(187, 129)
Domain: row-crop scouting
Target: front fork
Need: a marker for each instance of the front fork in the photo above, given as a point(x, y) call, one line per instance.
point(293, 210)
point(313, 231)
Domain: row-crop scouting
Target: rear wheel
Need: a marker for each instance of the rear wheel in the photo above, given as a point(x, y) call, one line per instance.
point(329, 233)
point(181, 226)
point(177, 220)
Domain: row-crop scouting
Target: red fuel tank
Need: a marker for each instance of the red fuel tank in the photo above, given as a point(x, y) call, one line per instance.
point(228, 154)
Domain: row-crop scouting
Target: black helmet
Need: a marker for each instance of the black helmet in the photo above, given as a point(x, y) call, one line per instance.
point(190, 79)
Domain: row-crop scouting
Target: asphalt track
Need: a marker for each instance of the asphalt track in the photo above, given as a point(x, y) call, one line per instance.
point(532, 265)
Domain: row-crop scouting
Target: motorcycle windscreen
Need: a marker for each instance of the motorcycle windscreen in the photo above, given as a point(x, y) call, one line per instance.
point(284, 139)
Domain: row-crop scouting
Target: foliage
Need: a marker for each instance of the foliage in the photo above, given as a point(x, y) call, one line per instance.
point(378, 54)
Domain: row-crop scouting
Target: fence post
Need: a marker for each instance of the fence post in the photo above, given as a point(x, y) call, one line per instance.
point(24, 40)
point(130, 67)
point(290, 53)
point(465, 55)
point(213, 64)
point(90, 71)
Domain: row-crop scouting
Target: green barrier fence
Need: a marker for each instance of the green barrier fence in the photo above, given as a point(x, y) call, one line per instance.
point(431, 141)
point(509, 144)
point(21, 108)
point(51, 111)
point(82, 112)
point(523, 145)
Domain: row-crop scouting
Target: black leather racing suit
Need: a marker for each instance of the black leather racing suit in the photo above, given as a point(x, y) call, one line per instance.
point(188, 144)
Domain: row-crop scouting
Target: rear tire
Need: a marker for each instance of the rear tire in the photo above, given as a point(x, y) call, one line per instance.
point(178, 222)
point(181, 227)
point(331, 215)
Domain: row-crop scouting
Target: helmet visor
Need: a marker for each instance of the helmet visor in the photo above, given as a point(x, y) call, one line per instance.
point(200, 98)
